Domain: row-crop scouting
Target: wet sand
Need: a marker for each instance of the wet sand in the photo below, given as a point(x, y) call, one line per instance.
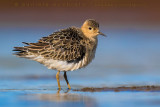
point(119, 89)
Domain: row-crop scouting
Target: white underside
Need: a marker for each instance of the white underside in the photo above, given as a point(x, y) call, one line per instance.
point(59, 65)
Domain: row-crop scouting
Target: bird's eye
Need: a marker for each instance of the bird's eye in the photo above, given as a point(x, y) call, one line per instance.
point(90, 28)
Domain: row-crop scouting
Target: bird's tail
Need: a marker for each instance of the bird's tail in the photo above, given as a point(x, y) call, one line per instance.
point(31, 50)
point(21, 51)
point(25, 51)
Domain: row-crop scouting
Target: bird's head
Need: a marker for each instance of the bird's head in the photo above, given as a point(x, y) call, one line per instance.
point(90, 28)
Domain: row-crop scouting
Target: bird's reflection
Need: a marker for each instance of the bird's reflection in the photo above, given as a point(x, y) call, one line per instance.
point(65, 91)
point(63, 96)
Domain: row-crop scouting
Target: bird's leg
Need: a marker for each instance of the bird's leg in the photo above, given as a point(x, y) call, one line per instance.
point(57, 77)
point(65, 76)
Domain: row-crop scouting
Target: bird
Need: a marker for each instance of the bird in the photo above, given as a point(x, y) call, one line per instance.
point(64, 50)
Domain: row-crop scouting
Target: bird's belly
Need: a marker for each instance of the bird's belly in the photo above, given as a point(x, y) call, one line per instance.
point(62, 65)
point(65, 66)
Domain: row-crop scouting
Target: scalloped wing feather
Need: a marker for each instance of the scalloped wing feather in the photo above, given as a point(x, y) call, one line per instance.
point(64, 45)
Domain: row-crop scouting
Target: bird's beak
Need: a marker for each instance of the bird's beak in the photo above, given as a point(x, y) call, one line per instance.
point(100, 33)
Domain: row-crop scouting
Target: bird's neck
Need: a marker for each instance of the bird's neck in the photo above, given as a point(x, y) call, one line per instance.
point(94, 39)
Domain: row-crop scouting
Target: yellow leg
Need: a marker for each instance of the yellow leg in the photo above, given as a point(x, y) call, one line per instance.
point(65, 76)
point(57, 76)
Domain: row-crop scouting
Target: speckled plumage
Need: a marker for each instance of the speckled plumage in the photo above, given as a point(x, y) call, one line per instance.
point(68, 45)
point(65, 50)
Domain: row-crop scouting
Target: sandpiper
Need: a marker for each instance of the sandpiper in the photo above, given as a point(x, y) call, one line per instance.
point(64, 50)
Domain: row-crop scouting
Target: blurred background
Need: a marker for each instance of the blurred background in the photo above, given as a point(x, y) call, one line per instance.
point(130, 55)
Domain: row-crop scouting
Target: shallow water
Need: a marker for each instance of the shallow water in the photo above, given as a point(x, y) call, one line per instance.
point(44, 92)
point(125, 59)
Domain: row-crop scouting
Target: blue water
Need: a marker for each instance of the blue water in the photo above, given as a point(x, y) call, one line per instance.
point(126, 57)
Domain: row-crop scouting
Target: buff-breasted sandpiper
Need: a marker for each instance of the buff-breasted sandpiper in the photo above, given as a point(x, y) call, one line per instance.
point(65, 50)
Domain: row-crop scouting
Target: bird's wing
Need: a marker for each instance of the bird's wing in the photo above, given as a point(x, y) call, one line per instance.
point(61, 45)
